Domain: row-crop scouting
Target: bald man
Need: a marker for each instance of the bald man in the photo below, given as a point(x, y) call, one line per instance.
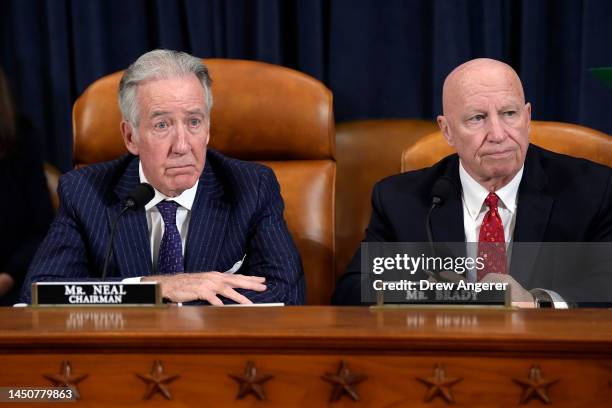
point(504, 190)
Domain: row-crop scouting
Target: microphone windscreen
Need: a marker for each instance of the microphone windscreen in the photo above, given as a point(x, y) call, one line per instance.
point(140, 196)
point(442, 189)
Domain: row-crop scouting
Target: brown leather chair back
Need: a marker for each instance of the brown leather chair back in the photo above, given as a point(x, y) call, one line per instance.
point(566, 138)
point(52, 175)
point(261, 112)
point(367, 151)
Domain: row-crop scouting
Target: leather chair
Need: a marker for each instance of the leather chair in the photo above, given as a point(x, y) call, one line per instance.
point(367, 151)
point(565, 138)
point(261, 112)
point(52, 175)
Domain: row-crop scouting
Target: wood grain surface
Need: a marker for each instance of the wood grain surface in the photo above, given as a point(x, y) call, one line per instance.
point(488, 349)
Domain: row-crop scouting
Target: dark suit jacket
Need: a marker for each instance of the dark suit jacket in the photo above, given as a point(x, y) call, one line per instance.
point(238, 210)
point(560, 199)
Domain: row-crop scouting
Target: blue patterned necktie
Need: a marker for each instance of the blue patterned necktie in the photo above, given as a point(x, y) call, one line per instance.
point(170, 257)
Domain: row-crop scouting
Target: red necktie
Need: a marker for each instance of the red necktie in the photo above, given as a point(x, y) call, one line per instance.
point(492, 233)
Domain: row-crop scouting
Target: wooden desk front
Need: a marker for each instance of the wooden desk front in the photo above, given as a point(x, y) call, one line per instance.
point(485, 354)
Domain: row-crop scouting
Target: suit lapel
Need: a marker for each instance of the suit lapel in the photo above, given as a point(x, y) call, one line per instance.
point(131, 246)
point(447, 220)
point(208, 223)
point(533, 213)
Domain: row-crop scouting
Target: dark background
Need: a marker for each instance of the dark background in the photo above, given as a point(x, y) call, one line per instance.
point(381, 58)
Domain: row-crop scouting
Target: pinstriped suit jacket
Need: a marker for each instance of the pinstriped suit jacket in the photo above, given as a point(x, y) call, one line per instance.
point(238, 210)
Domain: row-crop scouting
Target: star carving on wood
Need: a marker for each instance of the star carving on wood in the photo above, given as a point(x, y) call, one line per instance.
point(66, 378)
point(535, 386)
point(157, 381)
point(439, 384)
point(344, 382)
point(250, 382)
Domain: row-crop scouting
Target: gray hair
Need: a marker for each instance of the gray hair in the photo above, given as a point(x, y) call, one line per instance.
point(159, 64)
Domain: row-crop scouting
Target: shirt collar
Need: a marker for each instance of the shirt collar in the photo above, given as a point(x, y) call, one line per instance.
point(185, 199)
point(474, 194)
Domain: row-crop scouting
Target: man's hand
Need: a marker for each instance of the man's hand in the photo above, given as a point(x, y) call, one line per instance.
point(6, 283)
point(519, 296)
point(185, 287)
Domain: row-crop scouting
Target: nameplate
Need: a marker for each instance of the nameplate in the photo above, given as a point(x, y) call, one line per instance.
point(444, 294)
point(453, 296)
point(96, 294)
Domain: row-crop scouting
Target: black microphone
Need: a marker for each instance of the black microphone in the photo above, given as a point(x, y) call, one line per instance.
point(136, 199)
point(140, 196)
point(441, 191)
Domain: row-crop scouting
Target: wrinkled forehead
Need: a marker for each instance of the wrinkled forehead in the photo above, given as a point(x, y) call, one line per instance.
point(179, 92)
point(481, 78)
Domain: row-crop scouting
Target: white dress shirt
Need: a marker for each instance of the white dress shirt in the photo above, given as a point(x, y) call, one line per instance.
point(155, 222)
point(474, 209)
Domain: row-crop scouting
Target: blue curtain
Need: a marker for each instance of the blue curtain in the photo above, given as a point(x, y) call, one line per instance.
point(381, 58)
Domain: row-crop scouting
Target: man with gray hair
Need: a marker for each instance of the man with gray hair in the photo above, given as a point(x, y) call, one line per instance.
point(214, 230)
